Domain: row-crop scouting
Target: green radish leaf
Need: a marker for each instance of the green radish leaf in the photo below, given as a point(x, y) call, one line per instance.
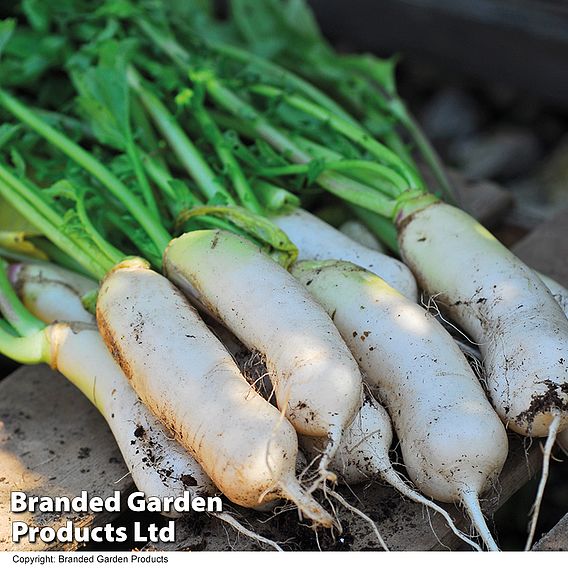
point(242, 152)
point(298, 16)
point(37, 14)
point(121, 167)
point(287, 32)
point(122, 9)
point(28, 56)
point(257, 24)
point(7, 133)
point(191, 19)
point(7, 28)
point(219, 199)
point(184, 198)
point(18, 162)
point(315, 169)
point(268, 155)
point(192, 8)
point(63, 189)
point(259, 229)
point(380, 71)
point(136, 235)
point(104, 95)
point(379, 124)
point(271, 26)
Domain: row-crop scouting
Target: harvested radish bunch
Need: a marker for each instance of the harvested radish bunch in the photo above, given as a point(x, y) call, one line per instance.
point(160, 467)
point(452, 441)
point(488, 292)
point(316, 380)
point(363, 454)
point(254, 139)
point(262, 441)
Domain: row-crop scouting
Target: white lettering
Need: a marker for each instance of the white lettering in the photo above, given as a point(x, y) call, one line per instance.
point(19, 529)
point(18, 501)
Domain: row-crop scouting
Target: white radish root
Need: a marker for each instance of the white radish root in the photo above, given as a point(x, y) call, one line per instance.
point(52, 293)
point(504, 307)
point(186, 377)
point(453, 443)
point(550, 440)
point(317, 382)
point(357, 232)
point(316, 240)
point(159, 465)
point(338, 497)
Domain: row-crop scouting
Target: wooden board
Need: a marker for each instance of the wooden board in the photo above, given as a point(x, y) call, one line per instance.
point(53, 442)
point(546, 248)
point(556, 539)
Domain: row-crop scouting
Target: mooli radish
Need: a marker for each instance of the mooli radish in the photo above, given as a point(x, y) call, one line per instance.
point(242, 442)
point(505, 308)
point(159, 466)
point(316, 380)
point(316, 240)
point(452, 441)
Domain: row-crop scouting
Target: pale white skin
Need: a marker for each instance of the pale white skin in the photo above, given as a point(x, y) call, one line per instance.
point(560, 293)
point(159, 466)
point(316, 240)
point(187, 378)
point(357, 232)
point(451, 438)
point(317, 382)
point(52, 293)
point(364, 449)
point(502, 305)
